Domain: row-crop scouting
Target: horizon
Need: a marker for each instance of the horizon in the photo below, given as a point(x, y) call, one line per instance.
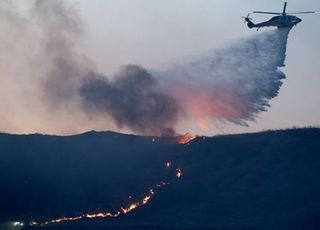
point(154, 136)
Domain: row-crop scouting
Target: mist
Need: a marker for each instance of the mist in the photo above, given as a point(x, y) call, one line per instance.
point(49, 85)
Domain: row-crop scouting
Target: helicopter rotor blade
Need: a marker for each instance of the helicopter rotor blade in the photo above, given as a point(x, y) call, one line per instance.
point(305, 12)
point(264, 12)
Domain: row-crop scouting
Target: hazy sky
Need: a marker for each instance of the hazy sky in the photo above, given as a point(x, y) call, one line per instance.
point(157, 33)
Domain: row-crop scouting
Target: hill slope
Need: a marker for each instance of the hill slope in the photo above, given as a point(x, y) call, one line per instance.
point(249, 181)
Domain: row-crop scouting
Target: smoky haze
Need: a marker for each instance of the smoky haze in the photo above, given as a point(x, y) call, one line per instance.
point(48, 85)
point(133, 99)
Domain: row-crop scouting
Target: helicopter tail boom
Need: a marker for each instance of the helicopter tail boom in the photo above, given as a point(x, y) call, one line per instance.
point(250, 24)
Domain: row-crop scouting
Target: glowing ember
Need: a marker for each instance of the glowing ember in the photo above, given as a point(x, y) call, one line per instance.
point(130, 208)
point(18, 224)
point(184, 139)
point(178, 173)
point(162, 184)
point(122, 211)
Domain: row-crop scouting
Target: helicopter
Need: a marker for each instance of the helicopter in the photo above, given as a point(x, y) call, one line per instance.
point(283, 20)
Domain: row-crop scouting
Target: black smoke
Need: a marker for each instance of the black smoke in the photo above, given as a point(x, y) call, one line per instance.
point(133, 99)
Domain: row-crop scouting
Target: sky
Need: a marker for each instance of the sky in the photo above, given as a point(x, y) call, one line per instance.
point(155, 34)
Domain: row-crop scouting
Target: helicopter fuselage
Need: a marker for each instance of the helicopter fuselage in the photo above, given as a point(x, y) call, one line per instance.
point(283, 21)
point(286, 21)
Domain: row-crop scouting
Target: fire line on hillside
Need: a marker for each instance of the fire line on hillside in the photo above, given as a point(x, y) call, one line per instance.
point(122, 211)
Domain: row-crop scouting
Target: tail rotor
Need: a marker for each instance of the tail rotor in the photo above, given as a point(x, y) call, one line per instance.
point(246, 19)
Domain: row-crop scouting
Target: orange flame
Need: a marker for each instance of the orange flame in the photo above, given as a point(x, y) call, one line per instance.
point(184, 139)
point(121, 211)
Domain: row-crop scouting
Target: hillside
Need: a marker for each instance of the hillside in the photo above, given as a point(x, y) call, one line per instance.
point(250, 181)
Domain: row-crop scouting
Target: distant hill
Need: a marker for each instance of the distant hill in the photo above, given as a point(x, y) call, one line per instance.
point(267, 180)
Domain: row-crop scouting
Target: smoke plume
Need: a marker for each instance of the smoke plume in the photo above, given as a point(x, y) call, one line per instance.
point(232, 84)
point(48, 85)
point(133, 99)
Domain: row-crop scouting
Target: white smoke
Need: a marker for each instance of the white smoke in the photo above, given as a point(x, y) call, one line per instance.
point(232, 84)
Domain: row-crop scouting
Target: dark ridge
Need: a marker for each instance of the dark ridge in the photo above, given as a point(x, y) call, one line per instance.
point(266, 180)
